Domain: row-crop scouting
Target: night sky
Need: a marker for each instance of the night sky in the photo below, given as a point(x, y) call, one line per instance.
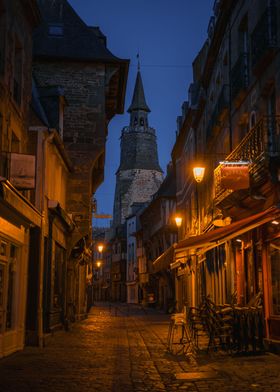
point(168, 35)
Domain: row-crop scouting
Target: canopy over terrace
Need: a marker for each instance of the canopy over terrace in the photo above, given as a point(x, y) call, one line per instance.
point(217, 237)
point(164, 260)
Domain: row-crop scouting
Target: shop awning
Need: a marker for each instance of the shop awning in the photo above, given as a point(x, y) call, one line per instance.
point(219, 236)
point(164, 260)
point(16, 207)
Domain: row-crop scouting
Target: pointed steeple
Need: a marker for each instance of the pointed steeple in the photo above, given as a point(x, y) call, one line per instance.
point(138, 100)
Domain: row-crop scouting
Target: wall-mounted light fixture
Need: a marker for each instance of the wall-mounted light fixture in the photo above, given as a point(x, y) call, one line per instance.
point(98, 263)
point(198, 173)
point(100, 248)
point(178, 220)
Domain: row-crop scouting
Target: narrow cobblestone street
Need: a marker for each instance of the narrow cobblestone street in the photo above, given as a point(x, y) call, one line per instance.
point(124, 349)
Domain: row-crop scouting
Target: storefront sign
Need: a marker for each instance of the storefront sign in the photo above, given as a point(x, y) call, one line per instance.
point(102, 216)
point(22, 171)
point(235, 177)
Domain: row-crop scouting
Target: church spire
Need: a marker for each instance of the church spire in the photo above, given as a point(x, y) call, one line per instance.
point(138, 100)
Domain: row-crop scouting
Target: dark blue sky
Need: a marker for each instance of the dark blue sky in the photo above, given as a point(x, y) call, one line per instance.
point(168, 35)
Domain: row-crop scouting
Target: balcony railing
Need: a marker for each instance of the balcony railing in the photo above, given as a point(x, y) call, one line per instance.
point(264, 36)
point(240, 75)
point(261, 142)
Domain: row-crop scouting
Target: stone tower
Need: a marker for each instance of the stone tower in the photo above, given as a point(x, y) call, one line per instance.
point(139, 174)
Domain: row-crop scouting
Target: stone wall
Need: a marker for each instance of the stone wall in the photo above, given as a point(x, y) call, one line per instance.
point(85, 125)
point(132, 186)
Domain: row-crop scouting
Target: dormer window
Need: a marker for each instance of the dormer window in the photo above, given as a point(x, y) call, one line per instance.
point(56, 30)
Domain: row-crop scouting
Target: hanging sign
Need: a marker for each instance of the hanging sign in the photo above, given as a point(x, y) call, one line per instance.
point(102, 216)
point(235, 176)
point(22, 171)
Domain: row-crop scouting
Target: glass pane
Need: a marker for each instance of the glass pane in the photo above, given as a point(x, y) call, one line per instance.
point(11, 286)
point(275, 280)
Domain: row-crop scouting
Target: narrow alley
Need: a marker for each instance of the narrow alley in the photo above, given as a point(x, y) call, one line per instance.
point(123, 348)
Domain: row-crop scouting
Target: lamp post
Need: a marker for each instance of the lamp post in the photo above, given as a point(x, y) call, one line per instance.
point(198, 173)
point(100, 248)
point(98, 266)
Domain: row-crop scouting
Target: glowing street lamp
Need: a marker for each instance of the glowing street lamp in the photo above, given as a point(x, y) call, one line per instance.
point(178, 220)
point(100, 248)
point(98, 263)
point(198, 173)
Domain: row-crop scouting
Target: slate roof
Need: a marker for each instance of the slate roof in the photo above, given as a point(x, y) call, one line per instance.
point(138, 100)
point(77, 41)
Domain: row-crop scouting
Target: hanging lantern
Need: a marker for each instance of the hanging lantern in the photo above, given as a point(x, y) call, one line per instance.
point(100, 248)
point(198, 173)
point(178, 220)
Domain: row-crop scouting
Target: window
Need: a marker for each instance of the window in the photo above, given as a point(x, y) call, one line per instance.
point(243, 37)
point(10, 297)
point(8, 261)
point(56, 30)
point(252, 119)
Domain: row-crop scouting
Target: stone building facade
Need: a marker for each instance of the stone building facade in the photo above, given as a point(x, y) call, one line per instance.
point(159, 234)
point(72, 57)
point(55, 104)
point(19, 219)
point(228, 246)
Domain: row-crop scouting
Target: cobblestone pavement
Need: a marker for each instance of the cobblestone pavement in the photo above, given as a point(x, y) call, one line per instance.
point(123, 349)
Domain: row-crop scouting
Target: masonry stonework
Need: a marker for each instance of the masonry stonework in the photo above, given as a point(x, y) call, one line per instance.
point(139, 175)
